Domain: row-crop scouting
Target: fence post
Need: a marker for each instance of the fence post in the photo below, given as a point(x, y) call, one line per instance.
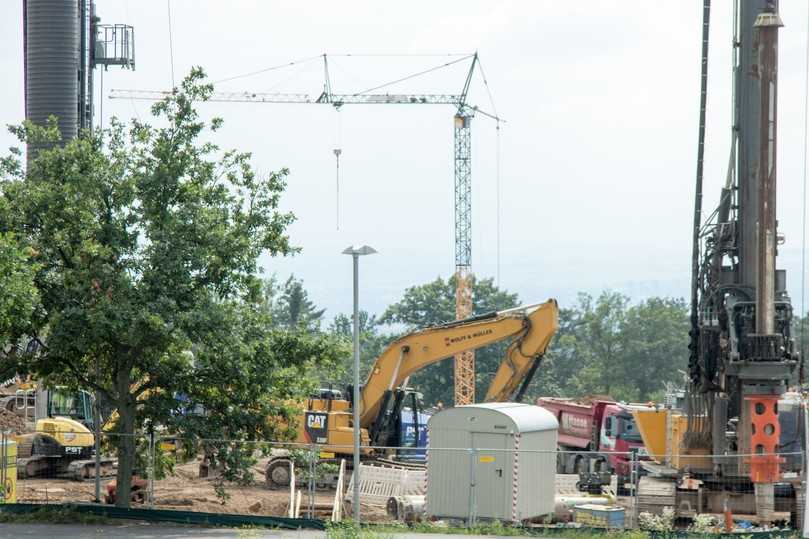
point(805, 508)
point(97, 449)
point(150, 470)
point(634, 476)
point(313, 458)
point(4, 458)
point(472, 494)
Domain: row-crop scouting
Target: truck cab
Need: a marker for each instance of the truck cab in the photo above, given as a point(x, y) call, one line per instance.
point(619, 438)
point(596, 435)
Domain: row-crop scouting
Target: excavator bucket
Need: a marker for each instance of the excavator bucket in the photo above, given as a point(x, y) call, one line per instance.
point(652, 426)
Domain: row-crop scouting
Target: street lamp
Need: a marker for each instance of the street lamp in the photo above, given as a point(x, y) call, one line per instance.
point(356, 253)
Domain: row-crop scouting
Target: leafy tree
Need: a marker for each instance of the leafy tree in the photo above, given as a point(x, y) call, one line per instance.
point(290, 306)
point(434, 303)
point(656, 336)
point(372, 344)
point(800, 333)
point(19, 299)
point(145, 241)
point(606, 346)
point(599, 344)
point(247, 371)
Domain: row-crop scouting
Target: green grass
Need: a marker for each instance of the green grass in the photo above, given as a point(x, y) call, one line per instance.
point(52, 515)
point(347, 530)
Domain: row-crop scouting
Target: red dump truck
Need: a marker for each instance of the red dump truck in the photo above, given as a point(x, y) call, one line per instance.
point(594, 435)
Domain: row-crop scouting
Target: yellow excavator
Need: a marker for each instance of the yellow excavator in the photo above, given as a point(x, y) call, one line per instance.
point(58, 439)
point(327, 418)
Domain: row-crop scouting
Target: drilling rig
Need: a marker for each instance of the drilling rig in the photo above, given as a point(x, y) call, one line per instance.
point(721, 451)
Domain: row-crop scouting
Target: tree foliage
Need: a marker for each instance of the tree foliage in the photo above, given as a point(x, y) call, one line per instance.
point(434, 303)
point(372, 344)
point(607, 346)
point(145, 242)
point(19, 299)
point(289, 304)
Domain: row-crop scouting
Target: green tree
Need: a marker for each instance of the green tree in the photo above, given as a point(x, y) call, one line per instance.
point(656, 335)
point(145, 240)
point(246, 371)
point(607, 346)
point(19, 299)
point(290, 306)
point(372, 344)
point(599, 345)
point(434, 303)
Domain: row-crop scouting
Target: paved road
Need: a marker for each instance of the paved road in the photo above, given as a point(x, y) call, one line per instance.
point(141, 530)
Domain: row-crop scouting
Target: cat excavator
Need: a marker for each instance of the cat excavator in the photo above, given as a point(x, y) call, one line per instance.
point(327, 418)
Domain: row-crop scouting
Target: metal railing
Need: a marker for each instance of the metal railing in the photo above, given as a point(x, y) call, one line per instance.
point(466, 486)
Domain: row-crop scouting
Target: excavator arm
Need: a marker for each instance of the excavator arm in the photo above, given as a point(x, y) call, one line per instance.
point(524, 353)
point(531, 328)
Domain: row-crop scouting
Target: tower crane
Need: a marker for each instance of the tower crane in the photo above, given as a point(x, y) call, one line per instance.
point(464, 368)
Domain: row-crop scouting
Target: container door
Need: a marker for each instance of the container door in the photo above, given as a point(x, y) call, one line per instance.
point(492, 475)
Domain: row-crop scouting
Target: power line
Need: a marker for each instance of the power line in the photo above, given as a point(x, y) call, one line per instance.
point(171, 43)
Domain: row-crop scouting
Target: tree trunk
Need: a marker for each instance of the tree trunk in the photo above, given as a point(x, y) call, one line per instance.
point(126, 448)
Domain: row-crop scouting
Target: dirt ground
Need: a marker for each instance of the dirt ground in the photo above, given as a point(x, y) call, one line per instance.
point(186, 491)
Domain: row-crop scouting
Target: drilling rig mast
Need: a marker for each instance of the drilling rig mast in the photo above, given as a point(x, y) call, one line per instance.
point(742, 355)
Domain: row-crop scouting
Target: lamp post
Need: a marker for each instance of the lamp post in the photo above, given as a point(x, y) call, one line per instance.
point(356, 253)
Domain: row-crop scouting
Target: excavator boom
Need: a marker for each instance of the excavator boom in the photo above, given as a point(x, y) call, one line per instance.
point(531, 328)
point(524, 352)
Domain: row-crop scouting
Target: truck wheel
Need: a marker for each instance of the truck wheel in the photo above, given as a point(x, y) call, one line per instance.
point(560, 463)
point(278, 474)
point(581, 464)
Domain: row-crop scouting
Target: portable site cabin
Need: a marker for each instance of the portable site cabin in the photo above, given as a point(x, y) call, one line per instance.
point(508, 472)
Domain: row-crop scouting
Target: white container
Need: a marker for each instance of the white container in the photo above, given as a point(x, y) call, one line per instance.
point(508, 471)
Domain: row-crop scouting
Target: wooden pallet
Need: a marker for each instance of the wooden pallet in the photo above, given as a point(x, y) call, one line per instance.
point(655, 494)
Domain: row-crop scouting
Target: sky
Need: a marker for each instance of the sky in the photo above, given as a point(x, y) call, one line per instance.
point(593, 166)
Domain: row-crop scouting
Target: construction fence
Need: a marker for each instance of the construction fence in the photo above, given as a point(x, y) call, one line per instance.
point(462, 485)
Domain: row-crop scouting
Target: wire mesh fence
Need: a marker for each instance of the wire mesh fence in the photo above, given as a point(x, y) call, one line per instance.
point(53, 466)
point(464, 485)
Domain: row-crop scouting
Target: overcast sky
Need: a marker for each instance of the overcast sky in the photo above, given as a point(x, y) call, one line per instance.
point(597, 156)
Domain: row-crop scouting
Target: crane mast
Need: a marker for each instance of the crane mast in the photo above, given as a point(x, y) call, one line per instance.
point(464, 371)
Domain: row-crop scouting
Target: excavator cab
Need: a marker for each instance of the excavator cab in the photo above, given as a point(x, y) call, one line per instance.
point(76, 405)
point(388, 429)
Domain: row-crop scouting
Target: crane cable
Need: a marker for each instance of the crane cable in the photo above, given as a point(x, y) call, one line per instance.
point(497, 168)
point(338, 149)
point(171, 43)
point(803, 220)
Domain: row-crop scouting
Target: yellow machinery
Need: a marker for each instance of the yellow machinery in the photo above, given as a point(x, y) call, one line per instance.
point(58, 438)
point(663, 431)
point(8, 471)
point(327, 418)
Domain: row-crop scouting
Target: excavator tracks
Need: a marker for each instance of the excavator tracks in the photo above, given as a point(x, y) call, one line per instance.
point(86, 469)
